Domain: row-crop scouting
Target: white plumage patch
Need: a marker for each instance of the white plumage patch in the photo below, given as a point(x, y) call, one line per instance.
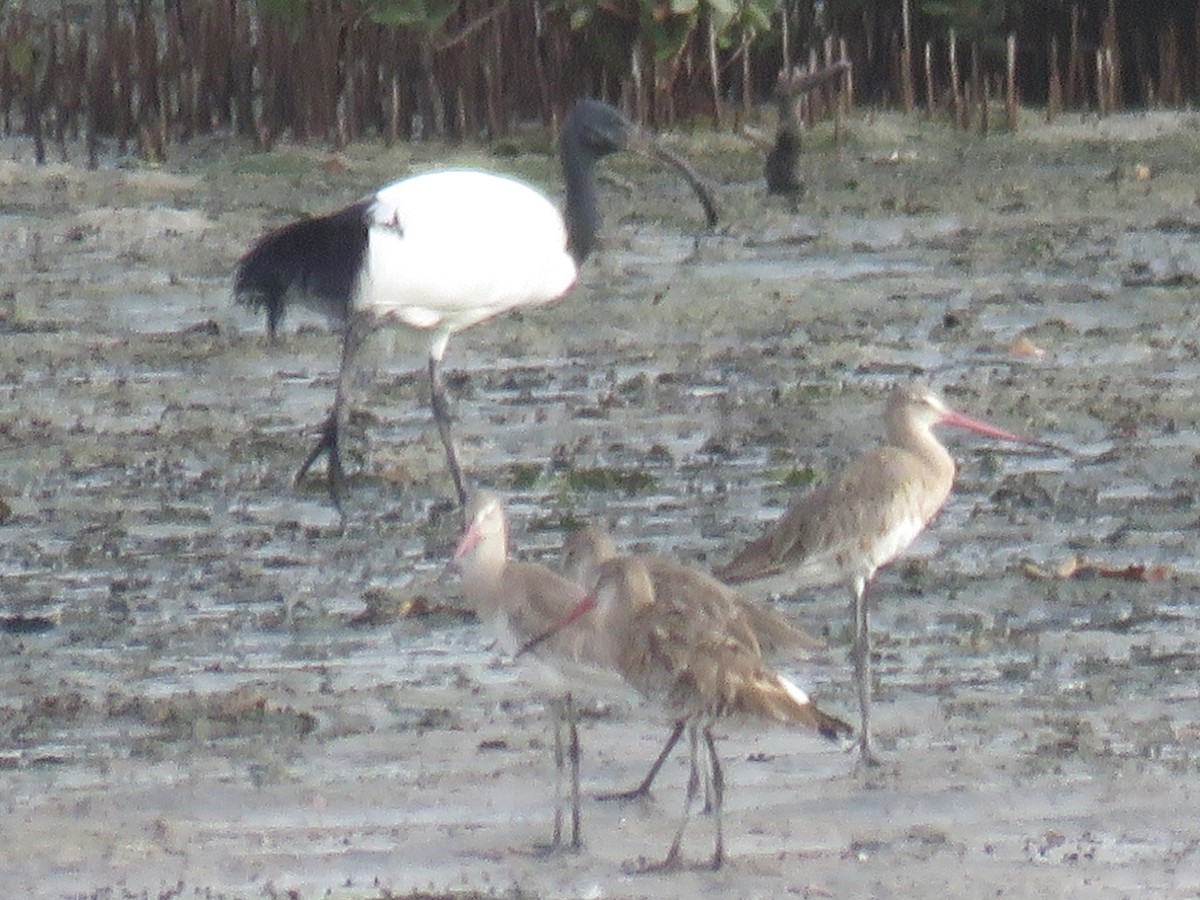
point(895, 540)
point(794, 691)
point(452, 248)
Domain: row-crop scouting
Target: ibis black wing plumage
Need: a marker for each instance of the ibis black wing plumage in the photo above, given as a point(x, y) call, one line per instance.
point(313, 263)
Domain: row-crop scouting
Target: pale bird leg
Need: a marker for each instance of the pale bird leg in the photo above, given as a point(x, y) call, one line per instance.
point(717, 797)
point(861, 654)
point(674, 855)
point(556, 840)
point(573, 750)
point(565, 714)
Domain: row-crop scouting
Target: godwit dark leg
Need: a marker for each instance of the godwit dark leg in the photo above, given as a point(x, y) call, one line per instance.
point(643, 789)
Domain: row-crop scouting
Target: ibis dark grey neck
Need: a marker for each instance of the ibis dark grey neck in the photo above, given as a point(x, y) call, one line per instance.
point(582, 213)
point(591, 131)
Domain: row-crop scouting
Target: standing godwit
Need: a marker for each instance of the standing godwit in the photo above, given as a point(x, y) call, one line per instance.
point(686, 658)
point(864, 517)
point(760, 627)
point(439, 252)
point(520, 601)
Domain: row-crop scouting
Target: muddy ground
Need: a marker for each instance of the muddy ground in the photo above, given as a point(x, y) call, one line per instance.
point(208, 688)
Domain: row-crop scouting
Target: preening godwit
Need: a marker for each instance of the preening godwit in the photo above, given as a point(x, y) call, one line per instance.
point(864, 517)
point(761, 627)
point(440, 252)
point(695, 665)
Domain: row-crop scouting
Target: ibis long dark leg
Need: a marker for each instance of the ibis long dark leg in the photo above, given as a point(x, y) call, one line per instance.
point(357, 331)
point(441, 415)
point(643, 789)
point(326, 443)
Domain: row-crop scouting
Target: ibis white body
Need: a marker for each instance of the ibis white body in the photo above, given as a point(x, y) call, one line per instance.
point(448, 249)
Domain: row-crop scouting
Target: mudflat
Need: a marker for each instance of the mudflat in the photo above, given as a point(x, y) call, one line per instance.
point(211, 687)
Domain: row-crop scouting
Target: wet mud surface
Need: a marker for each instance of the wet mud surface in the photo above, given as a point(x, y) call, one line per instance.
point(208, 687)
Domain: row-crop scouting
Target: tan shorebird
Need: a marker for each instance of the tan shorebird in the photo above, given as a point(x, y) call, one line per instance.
point(695, 665)
point(520, 601)
point(864, 517)
point(764, 629)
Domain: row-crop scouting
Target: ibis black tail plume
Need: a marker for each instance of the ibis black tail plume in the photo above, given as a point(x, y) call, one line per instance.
point(314, 263)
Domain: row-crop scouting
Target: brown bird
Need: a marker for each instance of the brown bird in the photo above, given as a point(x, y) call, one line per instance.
point(690, 661)
point(520, 601)
point(770, 633)
point(864, 517)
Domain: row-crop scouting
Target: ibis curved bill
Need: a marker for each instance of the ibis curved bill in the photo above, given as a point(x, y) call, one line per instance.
point(439, 252)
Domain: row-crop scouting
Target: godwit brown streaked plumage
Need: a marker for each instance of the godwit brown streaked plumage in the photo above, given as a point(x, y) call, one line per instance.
point(690, 661)
point(762, 627)
point(520, 601)
point(864, 517)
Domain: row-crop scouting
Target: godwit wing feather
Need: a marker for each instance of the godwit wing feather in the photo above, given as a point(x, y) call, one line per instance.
point(585, 549)
point(856, 523)
point(773, 632)
point(546, 597)
point(674, 652)
point(688, 660)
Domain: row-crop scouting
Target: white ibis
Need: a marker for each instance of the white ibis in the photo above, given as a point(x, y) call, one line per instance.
point(760, 627)
point(520, 601)
point(689, 659)
point(864, 517)
point(440, 252)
